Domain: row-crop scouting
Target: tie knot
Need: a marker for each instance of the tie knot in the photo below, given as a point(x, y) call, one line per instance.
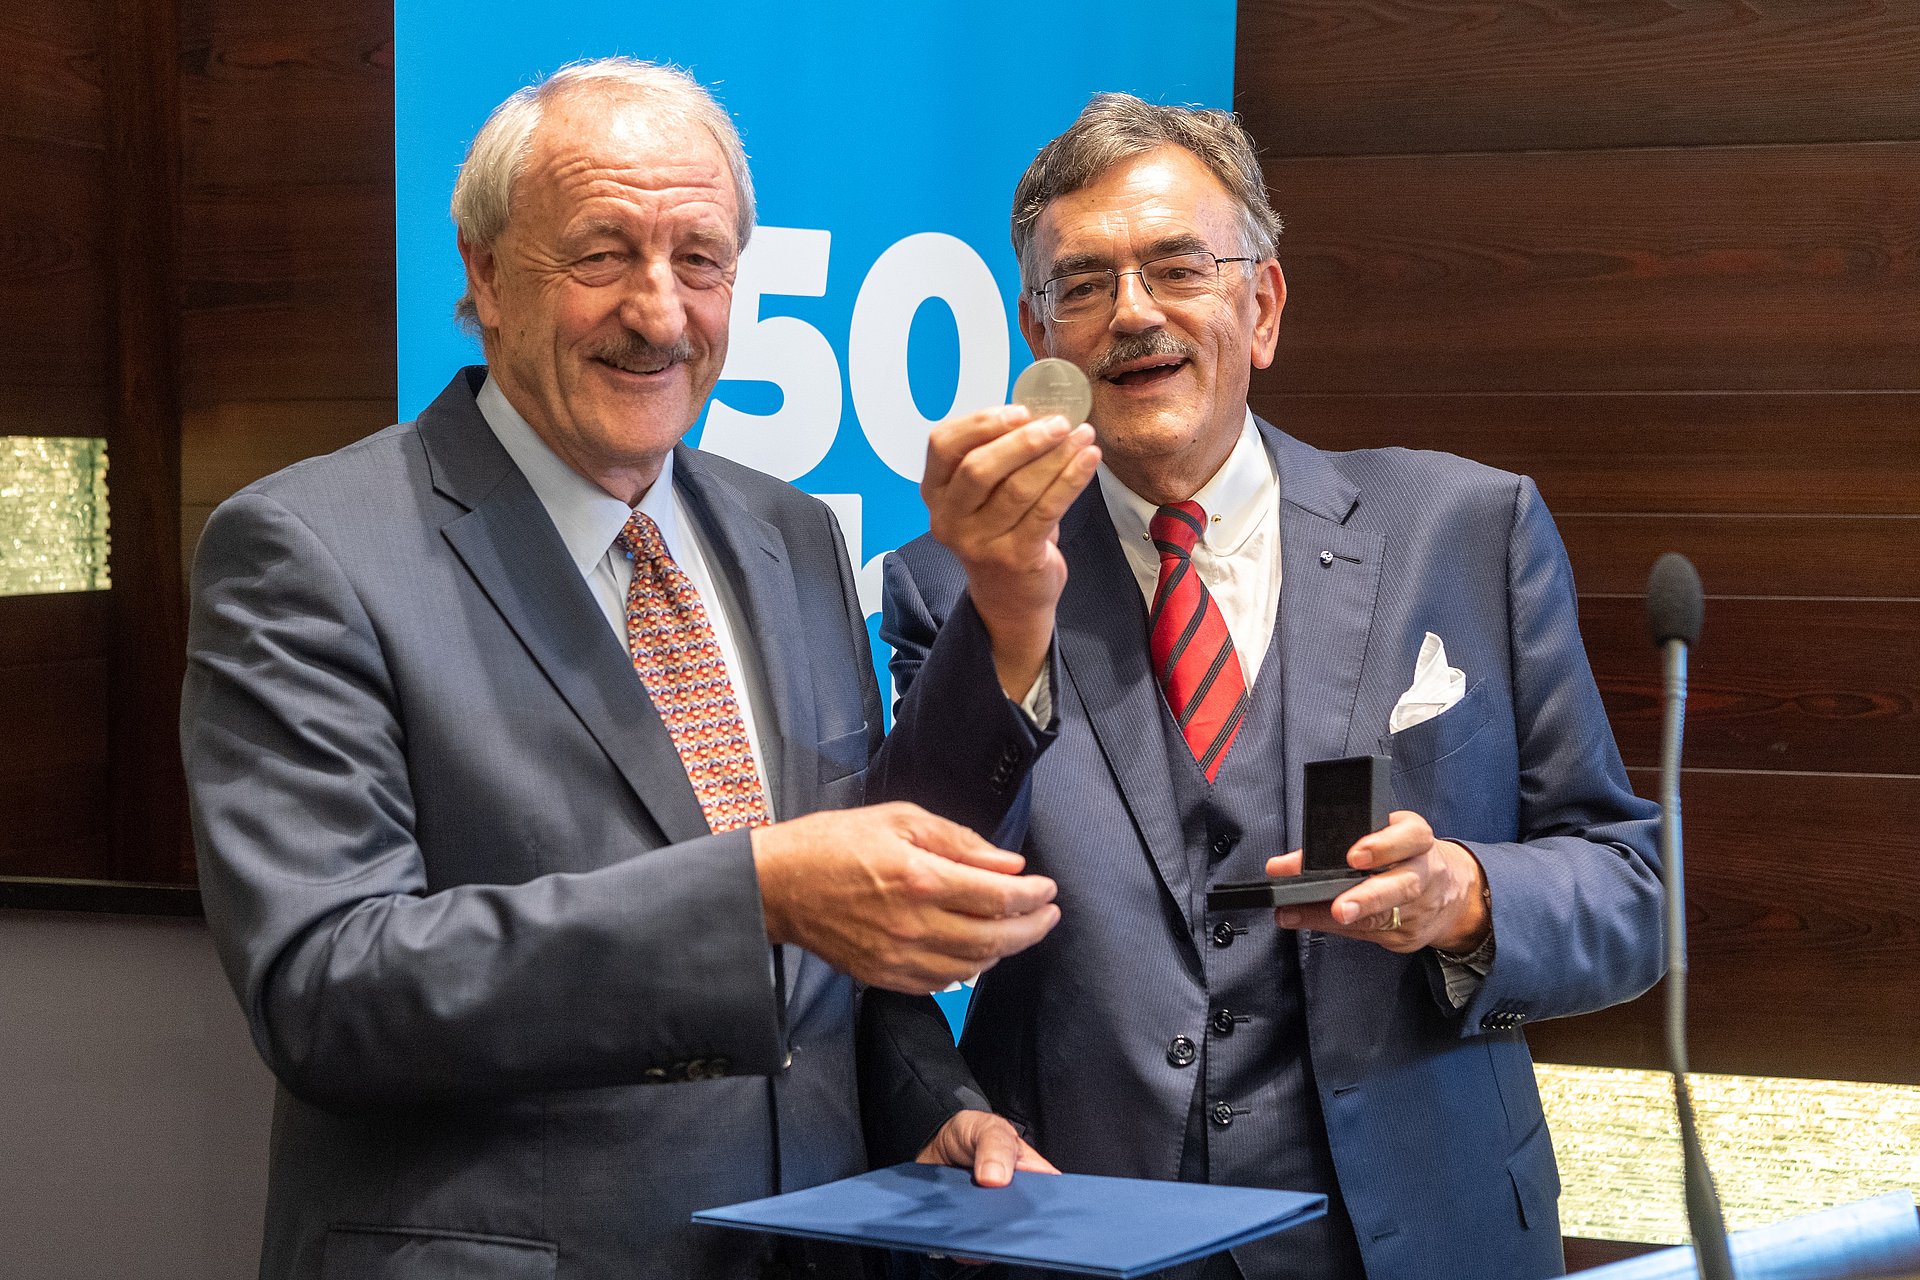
point(1177, 527)
point(640, 538)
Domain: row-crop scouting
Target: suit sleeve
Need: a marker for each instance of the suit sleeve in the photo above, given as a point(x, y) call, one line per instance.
point(1577, 901)
point(363, 983)
point(959, 746)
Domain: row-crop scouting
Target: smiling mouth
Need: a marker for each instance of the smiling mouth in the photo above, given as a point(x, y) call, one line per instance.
point(1147, 373)
point(637, 368)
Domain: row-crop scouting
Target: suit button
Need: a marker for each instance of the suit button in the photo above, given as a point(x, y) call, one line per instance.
point(654, 1075)
point(718, 1067)
point(697, 1069)
point(1224, 934)
point(1223, 1114)
point(1224, 1020)
point(1180, 1052)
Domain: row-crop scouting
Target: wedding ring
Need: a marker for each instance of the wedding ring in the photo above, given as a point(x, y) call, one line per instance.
point(1394, 921)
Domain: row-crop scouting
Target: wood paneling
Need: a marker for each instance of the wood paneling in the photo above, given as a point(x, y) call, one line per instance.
point(1337, 77)
point(1803, 922)
point(1781, 268)
point(230, 445)
point(1663, 258)
point(149, 835)
point(1808, 454)
point(49, 628)
point(53, 295)
point(288, 240)
point(1823, 685)
point(53, 753)
point(1862, 557)
point(289, 295)
point(56, 820)
point(56, 715)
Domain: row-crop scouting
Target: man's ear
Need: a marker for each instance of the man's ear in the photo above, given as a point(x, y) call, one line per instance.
point(482, 281)
point(1269, 300)
point(1032, 328)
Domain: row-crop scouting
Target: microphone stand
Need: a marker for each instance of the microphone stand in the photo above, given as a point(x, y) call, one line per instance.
point(1704, 1219)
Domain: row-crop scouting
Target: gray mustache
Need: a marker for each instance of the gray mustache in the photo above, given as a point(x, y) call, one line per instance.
point(639, 352)
point(1138, 346)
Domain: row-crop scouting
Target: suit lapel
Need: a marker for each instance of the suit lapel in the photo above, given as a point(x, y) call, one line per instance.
point(1102, 626)
point(508, 543)
point(1329, 578)
point(752, 557)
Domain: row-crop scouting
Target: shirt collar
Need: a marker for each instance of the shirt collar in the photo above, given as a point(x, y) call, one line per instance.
point(1234, 498)
point(587, 516)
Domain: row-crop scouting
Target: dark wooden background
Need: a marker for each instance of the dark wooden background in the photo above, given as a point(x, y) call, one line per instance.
point(1665, 258)
point(1662, 256)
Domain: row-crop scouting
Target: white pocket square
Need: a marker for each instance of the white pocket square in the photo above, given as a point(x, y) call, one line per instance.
point(1436, 686)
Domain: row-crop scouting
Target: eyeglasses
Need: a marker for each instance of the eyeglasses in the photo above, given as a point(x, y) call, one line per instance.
point(1089, 295)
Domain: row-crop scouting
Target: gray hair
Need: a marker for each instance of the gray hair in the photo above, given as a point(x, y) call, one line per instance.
point(483, 193)
point(1118, 126)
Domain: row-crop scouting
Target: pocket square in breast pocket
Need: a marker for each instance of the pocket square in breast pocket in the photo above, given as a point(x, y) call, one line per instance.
point(1436, 687)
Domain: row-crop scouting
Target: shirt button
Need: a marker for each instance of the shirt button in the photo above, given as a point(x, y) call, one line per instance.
point(1224, 1019)
point(1223, 1114)
point(1180, 1052)
point(1222, 846)
point(1223, 934)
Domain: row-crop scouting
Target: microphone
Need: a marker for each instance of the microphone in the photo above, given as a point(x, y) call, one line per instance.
point(1674, 606)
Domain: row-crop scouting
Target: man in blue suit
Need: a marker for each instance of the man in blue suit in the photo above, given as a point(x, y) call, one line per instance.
point(1225, 604)
point(526, 748)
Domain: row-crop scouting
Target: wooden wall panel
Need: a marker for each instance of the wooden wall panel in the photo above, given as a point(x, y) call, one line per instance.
point(288, 235)
point(52, 243)
point(1437, 75)
point(54, 290)
point(1806, 454)
point(1815, 685)
point(1664, 258)
point(1803, 925)
point(1856, 557)
point(1767, 269)
point(54, 791)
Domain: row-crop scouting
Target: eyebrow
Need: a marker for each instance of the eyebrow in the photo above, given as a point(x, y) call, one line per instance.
point(1185, 242)
point(703, 237)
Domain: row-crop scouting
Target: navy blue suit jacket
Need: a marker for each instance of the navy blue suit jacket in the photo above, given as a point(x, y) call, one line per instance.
point(1432, 1114)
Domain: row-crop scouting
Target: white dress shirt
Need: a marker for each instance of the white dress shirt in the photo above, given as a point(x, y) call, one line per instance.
point(1239, 555)
point(589, 519)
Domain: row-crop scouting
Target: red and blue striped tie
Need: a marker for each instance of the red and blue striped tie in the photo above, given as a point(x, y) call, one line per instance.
point(1193, 657)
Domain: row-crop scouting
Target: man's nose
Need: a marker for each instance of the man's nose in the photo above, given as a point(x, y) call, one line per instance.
point(1134, 308)
point(652, 306)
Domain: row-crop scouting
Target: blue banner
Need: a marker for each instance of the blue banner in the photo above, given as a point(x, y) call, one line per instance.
point(877, 296)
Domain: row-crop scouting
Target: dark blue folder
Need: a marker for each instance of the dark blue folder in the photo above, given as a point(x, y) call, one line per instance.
point(1066, 1222)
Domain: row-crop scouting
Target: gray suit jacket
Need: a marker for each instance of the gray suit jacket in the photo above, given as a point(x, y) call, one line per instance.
point(519, 998)
point(1432, 1115)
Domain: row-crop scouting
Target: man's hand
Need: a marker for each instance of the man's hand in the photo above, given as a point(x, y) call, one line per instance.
point(1435, 884)
point(986, 1144)
point(995, 486)
point(898, 897)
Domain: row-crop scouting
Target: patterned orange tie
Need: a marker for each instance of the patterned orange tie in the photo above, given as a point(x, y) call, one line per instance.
point(679, 662)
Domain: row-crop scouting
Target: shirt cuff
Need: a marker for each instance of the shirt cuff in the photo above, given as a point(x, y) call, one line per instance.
point(1038, 704)
point(1465, 971)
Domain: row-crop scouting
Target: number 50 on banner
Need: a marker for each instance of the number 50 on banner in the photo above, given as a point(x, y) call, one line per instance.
point(798, 358)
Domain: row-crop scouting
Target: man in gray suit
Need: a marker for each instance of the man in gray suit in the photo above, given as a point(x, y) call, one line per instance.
point(526, 749)
point(1225, 604)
